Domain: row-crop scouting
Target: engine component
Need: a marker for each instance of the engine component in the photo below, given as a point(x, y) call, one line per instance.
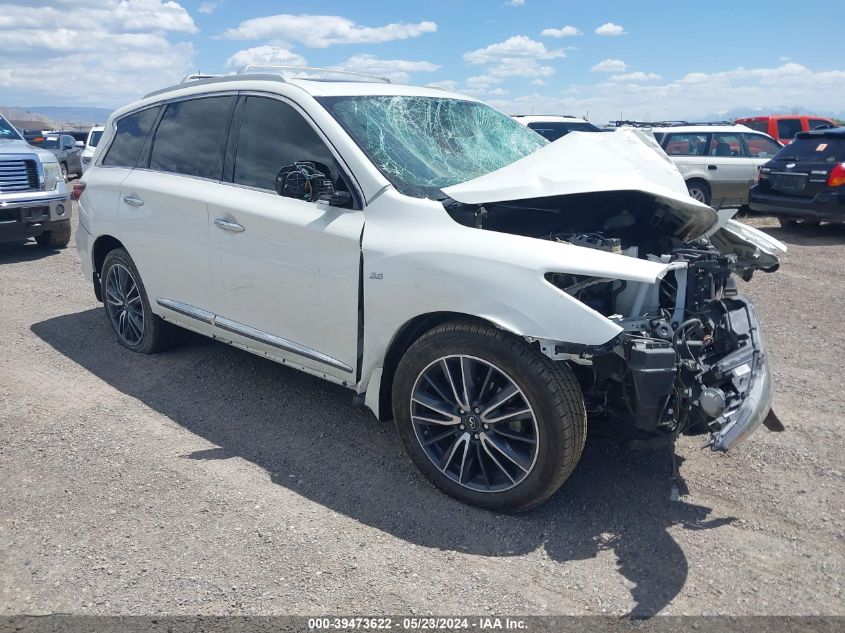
point(597, 241)
point(651, 365)
point(712, 401)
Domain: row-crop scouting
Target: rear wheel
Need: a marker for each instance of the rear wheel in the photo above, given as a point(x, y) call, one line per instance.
point(128, 308)
point(699, 190)
point(787, 222)
point(57, 237)
point(486, 417)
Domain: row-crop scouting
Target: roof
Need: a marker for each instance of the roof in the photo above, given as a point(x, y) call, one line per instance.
point(546, 118)
point(703, 129)
point(766, 117)
point(830, 132)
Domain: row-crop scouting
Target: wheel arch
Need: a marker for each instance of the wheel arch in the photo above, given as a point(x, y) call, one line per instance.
point(103, 245)
point(407, 334)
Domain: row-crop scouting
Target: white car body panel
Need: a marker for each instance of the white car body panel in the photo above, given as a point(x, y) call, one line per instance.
point(293, 271)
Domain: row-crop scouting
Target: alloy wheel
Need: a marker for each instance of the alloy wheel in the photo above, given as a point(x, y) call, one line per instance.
point(124, 305)
point(697, 194)
point(474, 423)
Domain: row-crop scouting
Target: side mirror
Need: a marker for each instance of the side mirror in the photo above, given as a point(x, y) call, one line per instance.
point(337, 199)
point(79, 144)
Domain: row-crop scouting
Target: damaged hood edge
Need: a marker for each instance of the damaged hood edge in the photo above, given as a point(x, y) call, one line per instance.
point(583, 162)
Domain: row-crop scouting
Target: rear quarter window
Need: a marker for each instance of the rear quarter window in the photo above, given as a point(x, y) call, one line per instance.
point(129, 138)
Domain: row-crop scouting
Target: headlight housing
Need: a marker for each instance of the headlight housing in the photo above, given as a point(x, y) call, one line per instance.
point(52, 176)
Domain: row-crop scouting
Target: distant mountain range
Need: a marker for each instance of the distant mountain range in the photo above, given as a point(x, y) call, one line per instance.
point(80, 115)
point(740, 112)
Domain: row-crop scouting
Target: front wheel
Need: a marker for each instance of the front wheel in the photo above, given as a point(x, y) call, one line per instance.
point(486, 417)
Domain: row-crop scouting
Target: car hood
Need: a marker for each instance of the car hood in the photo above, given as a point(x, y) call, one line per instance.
point(583, 162)
point(8, 146)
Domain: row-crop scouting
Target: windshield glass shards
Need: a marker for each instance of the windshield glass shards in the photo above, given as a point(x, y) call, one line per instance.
point(423, 144)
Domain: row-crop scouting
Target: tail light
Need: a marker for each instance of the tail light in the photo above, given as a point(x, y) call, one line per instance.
point(78, 190)
point(763, 173)
point(836, 178)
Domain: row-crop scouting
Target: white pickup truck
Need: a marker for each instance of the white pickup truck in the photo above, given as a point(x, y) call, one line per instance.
point(34, 199)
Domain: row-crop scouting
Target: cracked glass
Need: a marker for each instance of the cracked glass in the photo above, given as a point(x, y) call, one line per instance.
point(423, 144)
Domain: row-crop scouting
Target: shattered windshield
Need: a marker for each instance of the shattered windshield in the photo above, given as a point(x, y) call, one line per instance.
point(423, 144)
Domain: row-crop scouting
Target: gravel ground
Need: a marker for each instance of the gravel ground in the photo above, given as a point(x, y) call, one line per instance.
point(210, 481)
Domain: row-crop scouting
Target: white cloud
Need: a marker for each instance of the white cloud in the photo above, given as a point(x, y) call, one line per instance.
point(207, 7)
point(103, 52)
point(518, 56)
point(515, 3)
point(398, 70)
point(610, 66)
point(693, 95)
point(320, 31)
point(637, 76)
point(268, 54)
point(609, 29)
point(447, 84)
point(566, 31)
point(518, 46)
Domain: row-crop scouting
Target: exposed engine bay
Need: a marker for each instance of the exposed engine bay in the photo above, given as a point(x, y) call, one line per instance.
point(690, 358)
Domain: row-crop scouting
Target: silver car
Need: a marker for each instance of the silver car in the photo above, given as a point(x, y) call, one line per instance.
point(719, 162)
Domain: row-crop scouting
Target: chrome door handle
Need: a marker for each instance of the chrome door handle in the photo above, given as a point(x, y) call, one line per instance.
point(133, 201)
point(229, 226)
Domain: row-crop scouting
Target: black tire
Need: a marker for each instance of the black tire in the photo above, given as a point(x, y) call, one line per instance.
point(63, 167)
point(699, 190)
point(157, 335)
point(787, 222)
point(549, 388)
point(57, 237)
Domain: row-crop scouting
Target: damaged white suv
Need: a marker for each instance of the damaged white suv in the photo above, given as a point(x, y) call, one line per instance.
point(488, 290)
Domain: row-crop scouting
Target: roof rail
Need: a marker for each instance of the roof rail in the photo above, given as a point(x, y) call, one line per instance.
point(272, 68)
point(196, 77)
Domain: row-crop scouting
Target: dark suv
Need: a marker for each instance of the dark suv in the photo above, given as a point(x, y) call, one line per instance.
point(805, 181)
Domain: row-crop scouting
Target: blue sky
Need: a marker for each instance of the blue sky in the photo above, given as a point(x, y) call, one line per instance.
point(644, 59)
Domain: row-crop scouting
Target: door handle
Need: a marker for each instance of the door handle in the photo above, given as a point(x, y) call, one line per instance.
point(133, 201)
point(234, 227)
point(712, 167)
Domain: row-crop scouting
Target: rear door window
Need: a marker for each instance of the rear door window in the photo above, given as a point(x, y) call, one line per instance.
point(129, 138)
point(685, 144)
point(191, 138)
point(788, 128)
point(726, 145)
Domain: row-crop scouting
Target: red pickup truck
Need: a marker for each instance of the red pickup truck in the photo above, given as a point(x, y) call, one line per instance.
point(784, 127)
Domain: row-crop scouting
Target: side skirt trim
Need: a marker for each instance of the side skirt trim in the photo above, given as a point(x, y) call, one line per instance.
point(252, 333)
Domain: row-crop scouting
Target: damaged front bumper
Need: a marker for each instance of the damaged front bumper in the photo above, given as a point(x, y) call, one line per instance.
point(756, 405)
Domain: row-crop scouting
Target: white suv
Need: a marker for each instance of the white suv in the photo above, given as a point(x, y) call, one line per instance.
point(486, 289)
point(94, 136)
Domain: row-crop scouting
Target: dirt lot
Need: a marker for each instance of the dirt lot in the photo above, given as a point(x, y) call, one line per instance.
point(207, 480)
